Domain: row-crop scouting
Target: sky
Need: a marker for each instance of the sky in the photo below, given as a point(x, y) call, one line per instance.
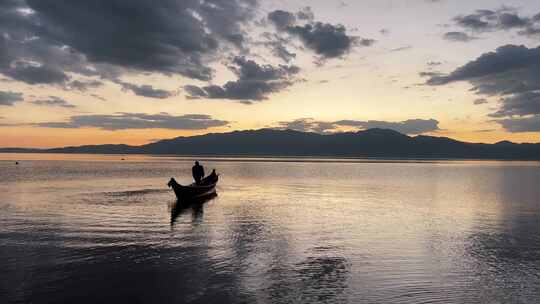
point(77, 72)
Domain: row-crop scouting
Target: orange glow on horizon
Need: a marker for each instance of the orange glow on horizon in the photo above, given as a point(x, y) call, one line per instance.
point(29, 137)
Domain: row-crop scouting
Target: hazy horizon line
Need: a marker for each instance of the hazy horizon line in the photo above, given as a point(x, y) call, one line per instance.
point(269, 128)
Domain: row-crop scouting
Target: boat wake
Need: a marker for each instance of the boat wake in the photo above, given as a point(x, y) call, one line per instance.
point(132, 193)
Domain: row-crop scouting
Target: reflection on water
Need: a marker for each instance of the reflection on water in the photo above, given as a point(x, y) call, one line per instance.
point(96, 229)
point(195, 205)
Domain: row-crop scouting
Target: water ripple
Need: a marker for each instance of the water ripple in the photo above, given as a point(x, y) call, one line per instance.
point(278, 232)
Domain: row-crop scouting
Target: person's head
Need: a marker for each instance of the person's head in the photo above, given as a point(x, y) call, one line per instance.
point(172, 182)
point(196, 163)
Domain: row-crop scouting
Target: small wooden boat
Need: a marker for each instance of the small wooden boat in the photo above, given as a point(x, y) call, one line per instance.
point(206, 187)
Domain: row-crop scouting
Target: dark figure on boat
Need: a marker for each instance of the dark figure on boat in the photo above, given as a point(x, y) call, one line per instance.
point(198, 172)
point(212, 175)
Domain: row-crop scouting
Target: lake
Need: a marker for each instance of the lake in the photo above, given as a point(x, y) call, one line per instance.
point(96, 228)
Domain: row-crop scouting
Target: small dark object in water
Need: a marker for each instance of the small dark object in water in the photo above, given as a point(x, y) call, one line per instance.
point(207, 186)
point(16, 163)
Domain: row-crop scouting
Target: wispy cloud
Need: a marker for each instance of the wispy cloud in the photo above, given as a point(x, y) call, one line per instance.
point(9, 98)
point(53, 101)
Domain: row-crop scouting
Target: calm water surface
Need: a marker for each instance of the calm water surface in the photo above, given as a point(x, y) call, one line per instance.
point(95, 229)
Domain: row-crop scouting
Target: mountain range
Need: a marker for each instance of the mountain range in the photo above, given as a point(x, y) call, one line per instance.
point(381, 143)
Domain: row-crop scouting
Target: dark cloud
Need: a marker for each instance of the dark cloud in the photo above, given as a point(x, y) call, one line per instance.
point(366, 42)
point(411, 126)
point(250, 70)
point(279, 45)
point(146, 90)
point(84, 85)
point(512, 73)
point(245, 91)
point(30, 74)
point(508, 21)
point(473, 22)
point(255, 82)
point(523, 104)
point(195, 92)
point(508, 58)
point(480, 101)
point(527, 124)
point(458, 37)
point(280, 50)
point(505, 19)
point(53, 101)
point(124, 121)
point(63, 42)
point(282, 19)
point(8, 98)
point(110, 37)
point(167, 36)
point(226, 18)
point(531, 31)
point(325, 39)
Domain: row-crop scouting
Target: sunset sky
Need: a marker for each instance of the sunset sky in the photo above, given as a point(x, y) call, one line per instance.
point(77, 72)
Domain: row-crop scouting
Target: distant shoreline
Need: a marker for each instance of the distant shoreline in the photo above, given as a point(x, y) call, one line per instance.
point(272, 158)
point(372, 144)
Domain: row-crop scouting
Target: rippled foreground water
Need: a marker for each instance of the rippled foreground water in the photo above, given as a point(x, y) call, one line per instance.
point(95, 229)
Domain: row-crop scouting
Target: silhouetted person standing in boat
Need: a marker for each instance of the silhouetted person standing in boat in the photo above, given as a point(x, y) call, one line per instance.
point(198, 172)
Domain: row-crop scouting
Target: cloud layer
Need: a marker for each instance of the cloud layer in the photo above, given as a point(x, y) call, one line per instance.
point(112, 37)
point(411, 126)
point(79, 44)
point(124, 121)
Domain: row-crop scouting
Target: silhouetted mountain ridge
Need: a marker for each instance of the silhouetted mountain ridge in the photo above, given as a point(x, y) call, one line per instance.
point(272, 142)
